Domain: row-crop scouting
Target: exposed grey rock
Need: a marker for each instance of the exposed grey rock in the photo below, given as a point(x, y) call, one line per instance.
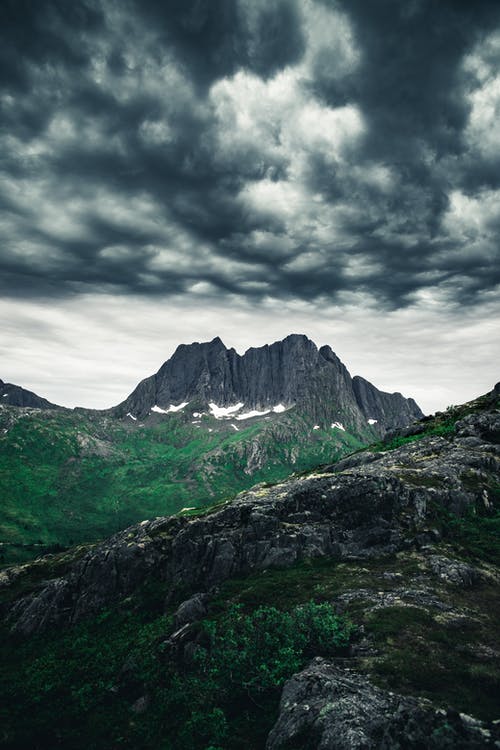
point(14, 395)
point(422, 597)
point(454, 572)
point(292, 372)
point(191, 610)
point(141, 705)
point(390, 409)
point(326, 707)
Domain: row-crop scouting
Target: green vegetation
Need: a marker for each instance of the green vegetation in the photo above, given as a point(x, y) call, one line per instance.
point(441, 429)
point(78, 687)
point(476, 535)
point(68, 478)
point(116, 681)
point(440, 659)
point(82, 687)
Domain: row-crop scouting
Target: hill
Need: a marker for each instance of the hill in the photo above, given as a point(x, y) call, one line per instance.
point(365, 593)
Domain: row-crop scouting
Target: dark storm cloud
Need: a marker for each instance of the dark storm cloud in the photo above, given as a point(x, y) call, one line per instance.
point(290, 149)
point(215, 39)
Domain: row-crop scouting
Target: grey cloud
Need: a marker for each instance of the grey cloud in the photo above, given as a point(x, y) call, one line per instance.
point(215, 39)
point(137, 132)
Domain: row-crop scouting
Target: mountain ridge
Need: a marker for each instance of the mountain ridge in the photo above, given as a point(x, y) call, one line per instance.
point(292, 372)
point(16, 395)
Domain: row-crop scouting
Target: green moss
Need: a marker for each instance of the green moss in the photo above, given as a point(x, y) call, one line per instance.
point(422, 656)
point(69, 478)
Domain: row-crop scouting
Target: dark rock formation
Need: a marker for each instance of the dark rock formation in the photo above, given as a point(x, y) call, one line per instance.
point(292, 372)
point(191, 610)
point(326, 707)
point(389, 409)
point(364, 506)
point(14, 395)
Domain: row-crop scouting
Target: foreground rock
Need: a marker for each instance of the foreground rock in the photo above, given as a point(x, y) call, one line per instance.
point(326, 707)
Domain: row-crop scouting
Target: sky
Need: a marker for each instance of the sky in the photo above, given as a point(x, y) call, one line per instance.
point(175, 170)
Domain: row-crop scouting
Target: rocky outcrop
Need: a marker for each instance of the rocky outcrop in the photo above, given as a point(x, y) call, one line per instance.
point(367, 505)
point(14, 395)
point(392, 410)
point(292, 372)
point(326, 707)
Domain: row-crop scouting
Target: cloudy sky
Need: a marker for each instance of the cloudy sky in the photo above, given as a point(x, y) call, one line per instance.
point(172, 170)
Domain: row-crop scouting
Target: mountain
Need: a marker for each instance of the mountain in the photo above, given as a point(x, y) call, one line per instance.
point(14, 395)
point(352, 606)
point(208, 425)
point(288, 374)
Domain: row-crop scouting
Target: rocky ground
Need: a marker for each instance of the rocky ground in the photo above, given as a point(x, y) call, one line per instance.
point(383, 524)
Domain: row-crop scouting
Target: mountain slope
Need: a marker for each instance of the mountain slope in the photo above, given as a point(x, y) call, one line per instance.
point(14, 395)
point(401, 539)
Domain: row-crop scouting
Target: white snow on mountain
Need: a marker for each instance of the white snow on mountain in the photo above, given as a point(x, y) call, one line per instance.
point(338, 426)
point(171, 409)
point(279, 408)
point(224, 412)
point(254, 413)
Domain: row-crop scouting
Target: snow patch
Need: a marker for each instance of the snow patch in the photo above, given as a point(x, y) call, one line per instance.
point(210, 429)
point(131, 416)
point(316, 427)
point(171, 409)
point(254, 413)
point(279, 408)
point(189, 507)
point(5, 395)
point(198, 414)
point(235, 428)
point(338, 426)
point(224, 412)
point(372, 421)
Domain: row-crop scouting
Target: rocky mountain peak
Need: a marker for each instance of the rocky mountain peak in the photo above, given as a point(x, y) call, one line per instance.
point(288, 373)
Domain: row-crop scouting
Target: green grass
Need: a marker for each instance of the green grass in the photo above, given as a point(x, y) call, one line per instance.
point(423, 656)
point(69, 478)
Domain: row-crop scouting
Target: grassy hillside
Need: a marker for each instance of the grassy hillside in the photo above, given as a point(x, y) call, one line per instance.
point(113, 680)
point(69, 477)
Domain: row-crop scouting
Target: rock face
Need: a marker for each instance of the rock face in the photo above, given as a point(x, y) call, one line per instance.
point(367, 505)
point(390, 409)
point(292, 372)
point(326, 707)
point(14, 395)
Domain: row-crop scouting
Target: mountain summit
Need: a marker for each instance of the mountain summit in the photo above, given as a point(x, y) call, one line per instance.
point(287, 374)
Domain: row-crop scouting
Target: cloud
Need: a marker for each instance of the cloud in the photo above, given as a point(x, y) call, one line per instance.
point(254, 150)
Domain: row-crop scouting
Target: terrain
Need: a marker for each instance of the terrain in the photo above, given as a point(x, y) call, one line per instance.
point(209, 424)
point(354, 605)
